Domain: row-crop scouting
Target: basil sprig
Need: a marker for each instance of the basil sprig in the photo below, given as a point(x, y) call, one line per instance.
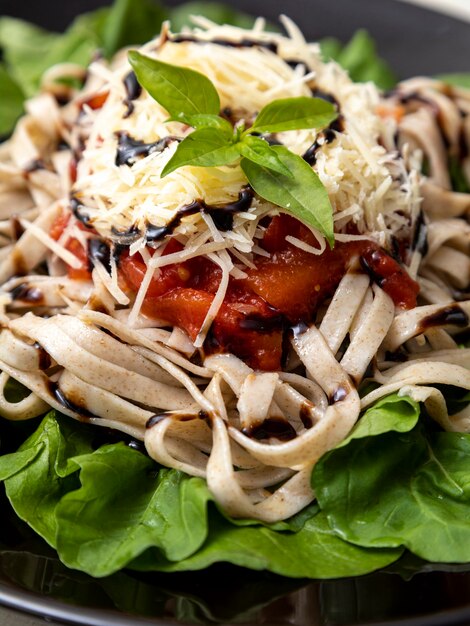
point(275, 173)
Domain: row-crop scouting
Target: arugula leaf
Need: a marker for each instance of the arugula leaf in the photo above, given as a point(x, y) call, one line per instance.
point(303, 195)
point(294, 114)
point(207, 147)
point(314, 552)
point(259, 151)
point(177, 89)
point(399, 484)
point(11, 102)
point(359, 57)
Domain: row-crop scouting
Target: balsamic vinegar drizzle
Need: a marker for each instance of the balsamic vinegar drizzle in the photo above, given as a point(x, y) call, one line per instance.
point(452, 315)
point(271, 427)
point(242, 43)
point(328, 135)
point(129, 149)
point(222, 215)
point(133, 91)
point(76, 206)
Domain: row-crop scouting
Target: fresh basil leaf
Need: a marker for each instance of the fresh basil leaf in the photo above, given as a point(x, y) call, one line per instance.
point(177, 89)
point(131, 22)
point(125, 506)
point(207, 147)
point(360, 58)
point(403, 486)
point(314, 552)
point(214, 11)
point(303, 194)
point(294, 114)
point(457, 80)
point(204, 120)
point(259, 151)
point(11, 102)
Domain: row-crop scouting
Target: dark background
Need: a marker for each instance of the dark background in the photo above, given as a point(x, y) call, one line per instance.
point(413, 40)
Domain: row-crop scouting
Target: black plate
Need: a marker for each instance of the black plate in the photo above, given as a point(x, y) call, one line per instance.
point(415, 41)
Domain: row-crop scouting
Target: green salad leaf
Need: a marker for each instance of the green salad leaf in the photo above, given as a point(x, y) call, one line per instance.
point(461, 79)
point(394, 482)
point(111, 507)
point(137, 507)
point(315, 551)
point(217, 12)
point(11, 102)
point(359, 57)
point(44, 473)
point(129, 22)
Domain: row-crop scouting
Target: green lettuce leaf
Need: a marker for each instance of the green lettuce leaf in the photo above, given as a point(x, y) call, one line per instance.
point(360, 58)
point(313, 552)
point(395, 482)
point(113, 507)
point(123, 507)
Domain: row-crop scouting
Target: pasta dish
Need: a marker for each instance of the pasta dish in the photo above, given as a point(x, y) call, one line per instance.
point(187, 307)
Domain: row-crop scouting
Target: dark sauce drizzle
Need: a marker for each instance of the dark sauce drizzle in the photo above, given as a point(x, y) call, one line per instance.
point(275, 427)
point(222, 215)
point(44, 357)
point(76, 206)
point(129, 149)
point(420, 238)
point(260, 324)
point(24, 292)
point(180, 417)
point(328, 135)
point(243, 43)
point(133, 91)
point(124, 238)
point(305, 416)
point(65, 402)
point(377, 278)
point(452, 315)
point(98, 250)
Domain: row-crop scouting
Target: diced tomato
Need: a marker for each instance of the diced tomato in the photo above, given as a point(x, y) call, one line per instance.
point(251, 330)
point(96, 100)
point(73, 245)
point(232, 331)
point(288, 286)
point(59, 225)
point(185, 308)
point(168, 278)
point(391, 277)
point(280, 227)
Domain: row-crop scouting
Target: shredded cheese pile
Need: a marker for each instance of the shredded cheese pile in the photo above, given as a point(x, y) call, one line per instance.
point(367, 185)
